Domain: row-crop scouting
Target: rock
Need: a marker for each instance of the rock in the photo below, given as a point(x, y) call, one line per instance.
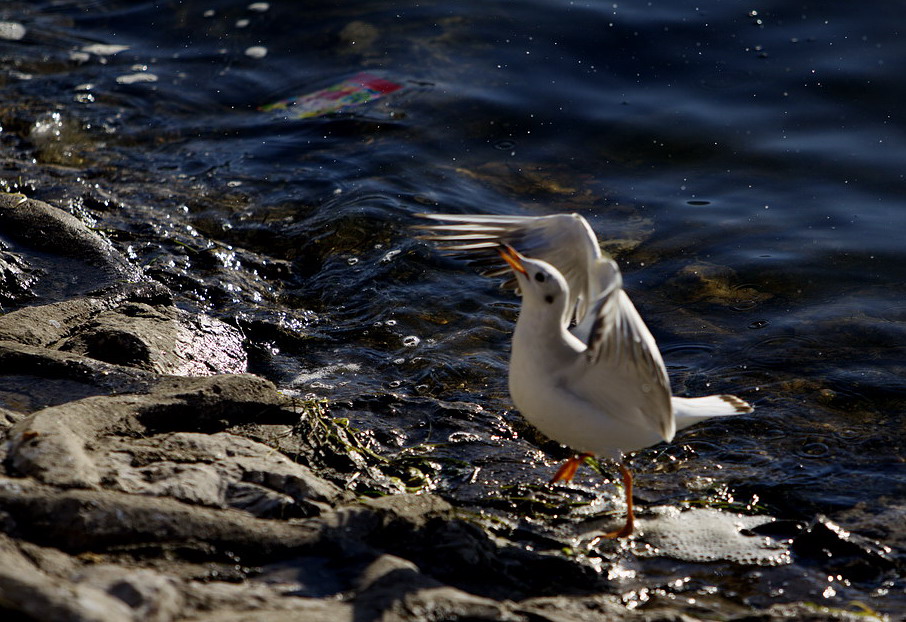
point(715, 284)
point(218, 601)
point(52, 448)
point(50, 324)
point(565, 609)
point(382, 566)
point(134, 325)
point(839, 552)
point(16, 278)
point(46, 228)
point(76, 521)
point(162, 339)
point(52, 445)
point(149, 595)
point(25, 589)
point(33, 378)
point(8, 418)
point(219, 470)
point(445, 603)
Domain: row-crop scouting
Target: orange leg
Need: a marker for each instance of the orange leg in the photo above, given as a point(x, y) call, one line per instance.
point(567, 470)
point(626, 530)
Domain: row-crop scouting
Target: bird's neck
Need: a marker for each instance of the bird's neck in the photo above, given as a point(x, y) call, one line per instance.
point(542, 327)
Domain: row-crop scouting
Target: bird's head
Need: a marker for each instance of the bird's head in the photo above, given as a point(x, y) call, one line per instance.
point(540, 282)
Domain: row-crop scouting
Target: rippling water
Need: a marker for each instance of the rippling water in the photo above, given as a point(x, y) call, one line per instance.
point(743, 162)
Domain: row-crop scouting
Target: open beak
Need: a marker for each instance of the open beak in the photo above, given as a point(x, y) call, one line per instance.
point(512, 257)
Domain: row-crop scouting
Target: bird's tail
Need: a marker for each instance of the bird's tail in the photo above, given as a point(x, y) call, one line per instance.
point(690, 410)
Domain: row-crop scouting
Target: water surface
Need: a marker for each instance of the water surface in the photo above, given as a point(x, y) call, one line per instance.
point(743, 163)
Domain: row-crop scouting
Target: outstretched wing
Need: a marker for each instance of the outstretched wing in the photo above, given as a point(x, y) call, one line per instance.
point(623, 367)
point(566, 241)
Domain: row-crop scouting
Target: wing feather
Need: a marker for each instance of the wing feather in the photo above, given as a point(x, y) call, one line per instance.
point(566, 241)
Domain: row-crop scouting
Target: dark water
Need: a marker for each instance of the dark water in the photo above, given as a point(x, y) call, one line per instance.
point(743, 162)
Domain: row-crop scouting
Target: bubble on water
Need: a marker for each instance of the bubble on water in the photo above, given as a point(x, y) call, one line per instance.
point(463, 437)
point(256, 51)
point(135, 78)
point(411, 341)
point(242, 23)
point(259, 7)
point(12, 31)
point(708, 535)
point(104, 49)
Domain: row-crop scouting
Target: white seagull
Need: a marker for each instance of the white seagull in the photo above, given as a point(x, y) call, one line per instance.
point(600, 387)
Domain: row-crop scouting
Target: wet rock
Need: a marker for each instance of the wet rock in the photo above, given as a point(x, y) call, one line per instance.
point(162, 339)
point(715, 284)
point(842, 553)
point(49, 325)
point(34, 378)
point(359, 34)
point(444, 603)
point(135, 325)
point(45, 228)
point(16, 278)
point(427, 531)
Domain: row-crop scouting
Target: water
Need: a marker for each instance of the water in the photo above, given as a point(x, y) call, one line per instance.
point(743, 163)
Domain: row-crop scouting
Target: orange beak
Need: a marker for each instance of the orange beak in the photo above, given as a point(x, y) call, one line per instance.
point(512, 257)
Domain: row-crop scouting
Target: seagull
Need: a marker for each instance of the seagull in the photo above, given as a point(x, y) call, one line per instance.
point(584, 368)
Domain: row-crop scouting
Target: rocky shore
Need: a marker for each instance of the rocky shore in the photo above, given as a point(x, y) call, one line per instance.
point(145, 476)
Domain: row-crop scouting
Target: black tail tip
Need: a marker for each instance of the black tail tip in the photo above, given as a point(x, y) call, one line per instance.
point(741, 406)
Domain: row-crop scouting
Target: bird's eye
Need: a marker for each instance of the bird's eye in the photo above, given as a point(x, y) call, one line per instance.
point(539, 276)
point(548, 299)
